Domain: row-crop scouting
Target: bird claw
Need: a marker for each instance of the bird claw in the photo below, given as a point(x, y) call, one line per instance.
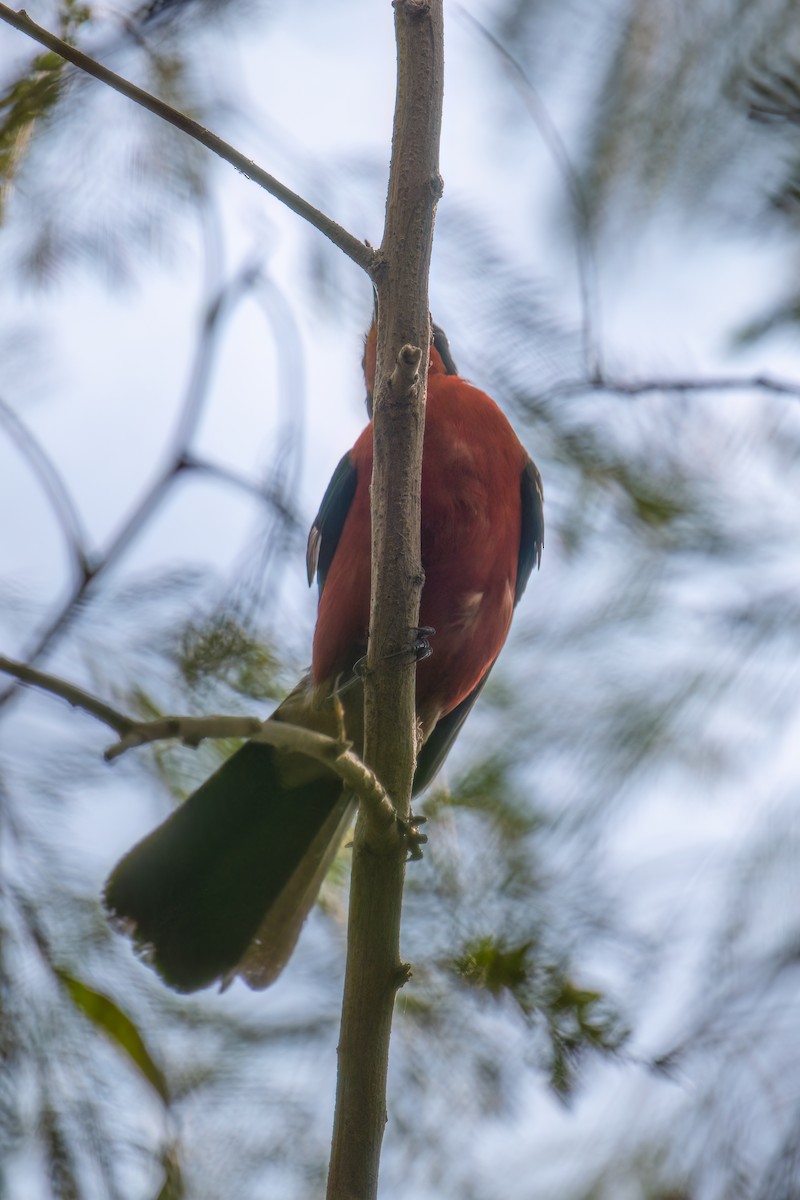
point(357, 675)
point(419, 650)
point(415, 840)
point(360, 669)
point(420, 647)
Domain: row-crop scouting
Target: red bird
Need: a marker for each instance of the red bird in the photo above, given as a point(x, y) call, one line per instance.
point(224, 885)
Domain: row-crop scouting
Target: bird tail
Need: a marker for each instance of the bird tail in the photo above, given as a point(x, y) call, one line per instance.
point(224, 885)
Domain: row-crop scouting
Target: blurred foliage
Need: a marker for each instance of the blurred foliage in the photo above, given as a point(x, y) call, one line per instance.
point(607, 904)
point(30, 99)
point(574, 1017)
point(127, 179)
point(224, 650)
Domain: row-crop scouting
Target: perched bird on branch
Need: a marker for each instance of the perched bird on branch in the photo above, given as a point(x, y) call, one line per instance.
point(223, 886)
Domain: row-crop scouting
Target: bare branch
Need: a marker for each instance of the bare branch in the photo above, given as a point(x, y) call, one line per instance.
point(293, 739)
point(722, 383)
point(584, 251)
point(53, 486)
point(265, 492)
point(218, 306)
point(74, 695)
point(334, 753)
point(191, 731)
point(360, 253)
point(640, 387)
point(374, 969)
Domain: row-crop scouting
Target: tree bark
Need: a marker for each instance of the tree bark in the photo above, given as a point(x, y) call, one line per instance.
point(374, 970)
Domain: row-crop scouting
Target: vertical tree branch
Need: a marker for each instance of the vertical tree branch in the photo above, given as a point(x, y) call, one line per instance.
point(374, 971)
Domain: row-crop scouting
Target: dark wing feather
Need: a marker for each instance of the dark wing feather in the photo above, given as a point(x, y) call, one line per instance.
point(438, 746)
point(531, 540)
point(443, 346)
point(327, 528)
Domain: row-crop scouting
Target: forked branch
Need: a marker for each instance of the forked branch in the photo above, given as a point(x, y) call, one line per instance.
point(335, 753)
point(361, 254)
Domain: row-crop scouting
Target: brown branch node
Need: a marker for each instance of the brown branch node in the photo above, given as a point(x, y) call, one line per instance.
point(415, 10)
point(403, 975)
point(405, 376)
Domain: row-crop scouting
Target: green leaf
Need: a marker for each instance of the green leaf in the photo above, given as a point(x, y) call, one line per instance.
point(108, 1017)
point(31, 99)
point(490, 964)
point(577, 1019)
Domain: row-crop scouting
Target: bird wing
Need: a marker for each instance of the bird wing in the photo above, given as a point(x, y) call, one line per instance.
point(531, 540)
point(323, 537)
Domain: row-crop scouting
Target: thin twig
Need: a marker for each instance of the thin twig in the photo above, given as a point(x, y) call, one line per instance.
point(335, 753)
point(359, 252)
point(722, 383)
point(640, 387)
point(74, 695)
point(52, 485)
point(178, 460)
point(257, 577)
point(268, 494)
point(293, 739)
point(584, 252)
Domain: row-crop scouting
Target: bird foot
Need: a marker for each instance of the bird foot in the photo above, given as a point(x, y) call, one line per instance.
point(419, 649)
